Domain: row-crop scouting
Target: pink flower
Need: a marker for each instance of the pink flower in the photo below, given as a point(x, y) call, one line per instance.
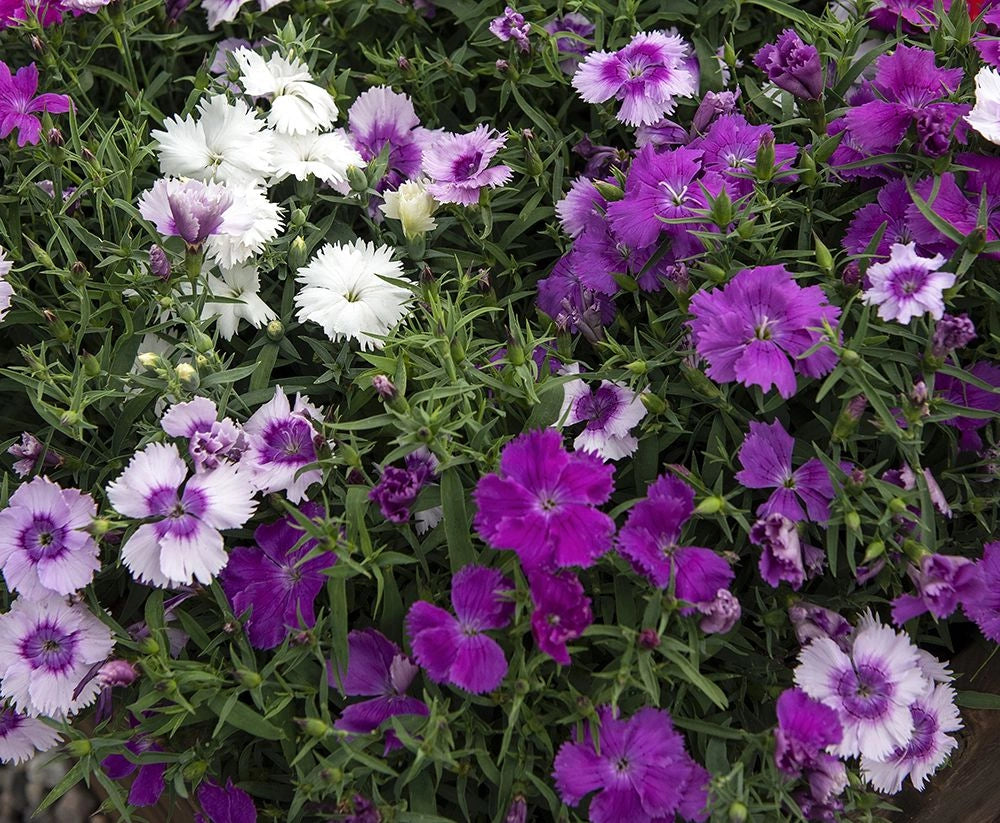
point(19, 106)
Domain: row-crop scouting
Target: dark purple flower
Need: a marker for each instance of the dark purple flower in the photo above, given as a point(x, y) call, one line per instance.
point(600, 159)
point(159, 263)
point(720, 614)
point(811, 621)
point(910, 89)
point(756, 329)
point(963, 393)
point(376, 668)
point(572, 49)
point(849, 152)
point(792, 65)
point(943, 582)
point(225, 804)
point(148, 784)
point(511, 26)
point(783, 556)
point(985, 611)
point(890, 210)
point(28, 452)
point(457, 651)
point(20, 107)
point(269, 579)
point(663, 133)
point(361, 809)
point(766, 458)
point(641, 773)
point(714, 104)
point(517, 812)
point(542, 503)
point(805, 728)
point(565, 298)
point(397, 489)
point(561, 613)
point(952, 333)
point(381, 119)
point(651, 541)
point(730, 149)
point(581, 208)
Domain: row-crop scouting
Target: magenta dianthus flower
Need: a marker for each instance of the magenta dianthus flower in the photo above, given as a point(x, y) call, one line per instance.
point(561, 612)
point(913, 15)
point(756, 329)
point(148, 785)
point(377, 669)
point(730, 147)
point(964, 393)
point(270, 579)
point(651, 541)
point(792, 65)
point(542, 503)
point(19, 107)
point(805, 728)
point(455, 649)
point(641, 773)
point(646, 76)
point(183, 543)
point(766, 458)
point(459, 165)
point(281, 442)
point(952, 332)
point(44, 546)
point(942, 582)
point(890, 209)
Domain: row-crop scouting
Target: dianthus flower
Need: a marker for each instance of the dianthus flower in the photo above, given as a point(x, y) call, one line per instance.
point(273, 579)
point(455, 649)
point(44, 546)
point(766, 458)
point(192, 210)
point(985, 115)
point(20, 107)
point(792, 65)
point(542, 503)
point(647, 76)
point(783, 556)
point(298, 106)
point(224, 804)
point(641, 773)
point(913, 15)
point(148, 785)
point(183, 543)
point(811, 621)
point(377, 669)
point(871, 687)
point(960, 392)
point(806, 728)
point(610, 412)
point(942, 583)
point(46, 648)
point(908, 286)
point(511, 26)
point(756, 329)
point(730, 147)
point(211, 442)
point(397, 489)
point(459, 165)
point(381, 119)
point(561, 612)
point(572, 49)
point(984, 611)
point(952, 332)
point(890, 210)
point(651, 541)
point(22, 737)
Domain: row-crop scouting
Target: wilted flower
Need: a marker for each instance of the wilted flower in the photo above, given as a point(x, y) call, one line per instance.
point(511, 26)
point(28, 452)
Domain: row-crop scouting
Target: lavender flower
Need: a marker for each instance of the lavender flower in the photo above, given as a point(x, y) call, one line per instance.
point(376, 668)
point(719, 615)
point(225, 804)
point(952, 333)
point(908, 286)
point(211, 442)
point(963, 393)
point(756, 329)
point(651, 541)
point(511, 26)
point(792, 65)
point(871, 687)
point(271, 579)
point(397, 489)
point(934, 715)
point(942, 583)
point(183, 543)
point(20, 107)
point(457, 651)
point(713, 105)
point(811, 621)
point(44, 546)
point(21, 737)
point(149, 784)
point(640, 773)
point(459, 165)
point(646, 76)
point(46, 648)
point(561, 613)
point(28, 452)
point(783, 557)
point(582, 207)
point(909, 89)
point(766, 458)
point(192, 210)
point(573, 50)
point(985, 611)
point(542, 503)
point(610, 412)
point(381, 118)
point(281, 443)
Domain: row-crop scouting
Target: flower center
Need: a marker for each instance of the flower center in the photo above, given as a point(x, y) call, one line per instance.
point(763, 329)
point(466, 166)
point(49, 647)
point(865, 692)
point(676, 195)
point(909, 281)
point(9, 721)
point(43, 539)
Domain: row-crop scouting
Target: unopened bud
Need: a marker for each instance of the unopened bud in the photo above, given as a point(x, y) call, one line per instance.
point(653, 403)
point(248, 679)
point(874, 551)
point(187, 313)
point(159, 263)
point(91, 365)
point(194, 771)
point(609, 191)
point(649, 639)
point(117, 673)
point(275, 330)
point(188, 375)
point(384, 387)
point(849, 357)
point(314, 727)
point(150, 360)
point(764, 165)
point(638, 367)
point(202, 342)
point(358, 180)
point(297, 218)
point(852, 520)
point(54, 137)
point(79, 748)
point(710, 505)
point(403, 63)
point(737, 812)
point(297, 253)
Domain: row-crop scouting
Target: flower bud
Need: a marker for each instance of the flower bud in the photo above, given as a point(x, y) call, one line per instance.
point(737, 812)
point(297, 218)
point(194, 771)
point(150, 360)
point(517, 812)
point(403, 63)
point(188, 375)
point(117, 673)
point(202, 342)
point(159, 263)
point(384, 387)
point(187, 313)
point(91, 365)
point(722, 210)
point(849, 357)
point(413, 206)
point(248, 679)
point(275, 330)
point(502, 66)
point(649, 639)
point(897, 505)
point(79, 748)
point(638, 367)
point(852, 520)
point(54, 137)
point(874, 551)
point(297, 253)
point(609, 191)
point(358, 179)
point(823, 257)
point(711, 505)
point(764, 164)
point(653, 403)
point(314, 727)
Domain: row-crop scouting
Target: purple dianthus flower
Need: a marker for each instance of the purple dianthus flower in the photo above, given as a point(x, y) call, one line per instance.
point(783, 556)
point(811, 621)
point(377, 669)
point(890, 209)
point(270, 579)
point(511, 26)
point(397, 489)
point(646, 76)
point(455, 649)
point(28, 452)
point(964, 393)
point(730, 150)
point(805, 728)
point(459, 165)
point(149, 783)
point(20, 107)
point(192, 210)
point(211, 441)
point(561, 612)
point(542, 503)
point(641, 773)
point(756, 329)
point(907, 285)
point(225, 804)
point(943, 582)
point(952, 332)
point(380, 118)
point(985, 611)
point(21, 737)
point(792, 65)
point(573, 50)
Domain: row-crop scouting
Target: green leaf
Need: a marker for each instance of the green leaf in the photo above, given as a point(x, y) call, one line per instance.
point(456, 521)
point(242, 717)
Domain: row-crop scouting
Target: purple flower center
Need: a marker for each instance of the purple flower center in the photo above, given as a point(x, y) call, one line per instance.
point(908, 281)
point(180, 517)
point(49, 647)
point(9, 721)
point(925, 726)
point(865, 692)
point(599, 406)
point(43, 539)
point(467, 165)
point(288, 441)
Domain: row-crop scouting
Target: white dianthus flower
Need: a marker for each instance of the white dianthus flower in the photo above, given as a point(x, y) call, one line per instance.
point(413, 206)
point(298, 105)
point(324, 156)
point(265, 221)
